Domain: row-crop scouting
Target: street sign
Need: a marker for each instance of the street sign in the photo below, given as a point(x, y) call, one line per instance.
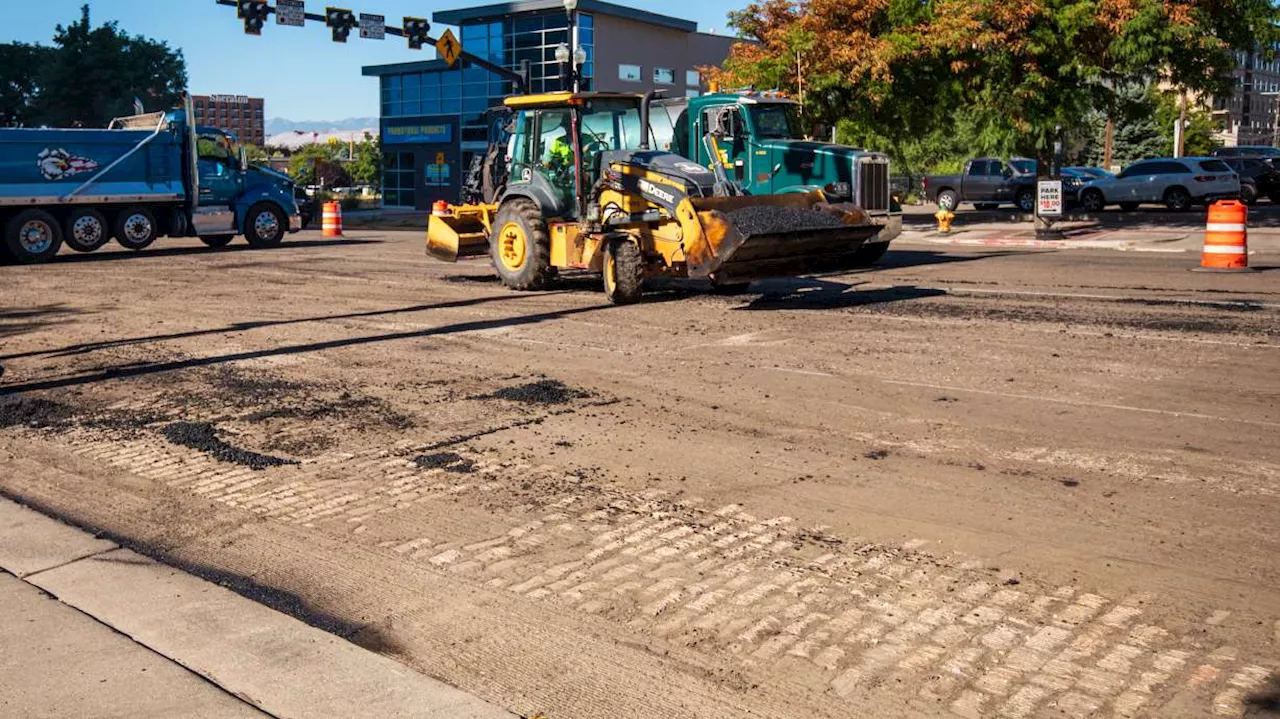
point(448, 47)
point(1049, 198)
point(373, 27)
point(291, 13)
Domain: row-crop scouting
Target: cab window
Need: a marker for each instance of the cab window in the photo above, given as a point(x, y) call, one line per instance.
point(777, 120)
point(978, 168)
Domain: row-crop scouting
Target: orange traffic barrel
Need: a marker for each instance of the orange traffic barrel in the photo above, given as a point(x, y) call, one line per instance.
point(331, 220)
point(1226, 243)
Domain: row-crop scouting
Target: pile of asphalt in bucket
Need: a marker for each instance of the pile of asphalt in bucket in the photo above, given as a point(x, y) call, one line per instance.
point(203, 437)
point(766, 220)
point(547, 391)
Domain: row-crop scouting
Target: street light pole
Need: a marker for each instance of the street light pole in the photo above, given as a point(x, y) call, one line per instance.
point(571, 23)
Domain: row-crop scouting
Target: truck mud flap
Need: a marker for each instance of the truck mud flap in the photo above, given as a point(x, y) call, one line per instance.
point(463, 233)
point(751, 237)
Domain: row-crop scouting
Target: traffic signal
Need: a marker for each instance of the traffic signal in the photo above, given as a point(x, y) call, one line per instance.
point(415, 31)
point(254, 14)
point(340, 22)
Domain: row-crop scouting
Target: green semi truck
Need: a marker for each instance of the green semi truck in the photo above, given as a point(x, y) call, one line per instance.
point(755, 140)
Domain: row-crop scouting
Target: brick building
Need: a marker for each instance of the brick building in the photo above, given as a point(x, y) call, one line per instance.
point(239, 115)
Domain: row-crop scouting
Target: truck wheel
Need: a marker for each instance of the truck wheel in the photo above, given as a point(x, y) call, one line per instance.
point(1248, 193)
point(948, 200)
point(1092, 201)
point(868, 255)
point(1177, 199)
point(86, 230)
point(623, 272)
point(520, 246)
point(32, 236)
point(136, 228)
point(1027, 201)
point(216, 241)
point(264, 225)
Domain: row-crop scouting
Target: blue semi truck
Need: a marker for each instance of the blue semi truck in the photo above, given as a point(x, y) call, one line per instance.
point(142, 177)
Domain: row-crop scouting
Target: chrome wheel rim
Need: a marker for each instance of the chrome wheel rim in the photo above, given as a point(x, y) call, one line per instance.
point(36, 236)
point(87, 230)
point(266, 225)
point(137, 228)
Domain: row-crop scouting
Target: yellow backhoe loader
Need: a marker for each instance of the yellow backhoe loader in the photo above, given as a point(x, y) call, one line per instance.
point(577, 186)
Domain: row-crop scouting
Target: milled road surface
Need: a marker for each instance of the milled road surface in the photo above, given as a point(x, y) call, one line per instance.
point(968, 482)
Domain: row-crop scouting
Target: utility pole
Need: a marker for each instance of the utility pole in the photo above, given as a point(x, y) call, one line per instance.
point(1108, 143)
point(1180, 127)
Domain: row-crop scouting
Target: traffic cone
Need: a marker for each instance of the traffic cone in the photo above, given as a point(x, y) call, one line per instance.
point(331, 220)
point(1226, 243)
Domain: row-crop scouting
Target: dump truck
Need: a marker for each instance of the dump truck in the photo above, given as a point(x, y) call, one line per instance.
point(579, 185)
point(140, 178)
point(762, 145)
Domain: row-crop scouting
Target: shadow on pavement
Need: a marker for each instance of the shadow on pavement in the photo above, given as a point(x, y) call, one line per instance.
point(921, 217)
point(123, 254)
point(20, 321)
point(826, 295)
point(87, 347)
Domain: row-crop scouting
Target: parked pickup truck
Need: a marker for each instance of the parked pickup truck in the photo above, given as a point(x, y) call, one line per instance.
point(987, 182)
point(142, 177)
point(761, 147)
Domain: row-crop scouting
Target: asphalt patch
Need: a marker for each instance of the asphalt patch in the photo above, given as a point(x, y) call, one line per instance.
point(545, 392)
point(765, 220)
point(33, 412)
point(203, 437)
point(448, 461)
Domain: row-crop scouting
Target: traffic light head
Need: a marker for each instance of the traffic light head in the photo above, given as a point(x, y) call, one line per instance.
point(254, 13)
point(415, 31)
point(340, 22)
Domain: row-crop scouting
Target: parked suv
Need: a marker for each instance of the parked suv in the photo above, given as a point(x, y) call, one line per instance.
point(1247, 151)
point(1174, 182)
point(1258, 178)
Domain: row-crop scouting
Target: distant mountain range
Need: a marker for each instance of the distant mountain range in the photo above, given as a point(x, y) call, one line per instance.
point(277, 125)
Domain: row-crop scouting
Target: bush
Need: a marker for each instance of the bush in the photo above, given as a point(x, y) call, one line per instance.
point(350, 203)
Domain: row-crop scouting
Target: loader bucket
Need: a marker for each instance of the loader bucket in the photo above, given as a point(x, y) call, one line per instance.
point(756, 236)
point(464, 232)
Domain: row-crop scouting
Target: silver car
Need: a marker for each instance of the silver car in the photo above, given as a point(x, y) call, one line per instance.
point(1176, 183)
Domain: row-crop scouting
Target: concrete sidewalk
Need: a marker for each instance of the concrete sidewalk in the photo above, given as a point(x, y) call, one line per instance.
point(118, 634)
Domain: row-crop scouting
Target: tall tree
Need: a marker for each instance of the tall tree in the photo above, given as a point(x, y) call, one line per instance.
point(91, 75)
point(20, 65)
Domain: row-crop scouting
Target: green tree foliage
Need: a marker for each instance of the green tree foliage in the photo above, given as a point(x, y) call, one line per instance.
point(320, 165)
point(20, 66)
point(88, 76)
point(1006, 77)
point(366, 168)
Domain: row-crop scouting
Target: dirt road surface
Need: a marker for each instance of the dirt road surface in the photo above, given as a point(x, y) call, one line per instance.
point(966, 483)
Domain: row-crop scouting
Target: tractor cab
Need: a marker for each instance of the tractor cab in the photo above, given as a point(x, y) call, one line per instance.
point(559, 139)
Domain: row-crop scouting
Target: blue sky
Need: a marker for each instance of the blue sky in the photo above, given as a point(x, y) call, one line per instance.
point(302, 74)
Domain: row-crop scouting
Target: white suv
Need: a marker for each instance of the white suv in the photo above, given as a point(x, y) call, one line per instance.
point(1174, 182)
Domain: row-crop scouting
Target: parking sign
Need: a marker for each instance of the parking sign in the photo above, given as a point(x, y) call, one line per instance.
point(1049, 198)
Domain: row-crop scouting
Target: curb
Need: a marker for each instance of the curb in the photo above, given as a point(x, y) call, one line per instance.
point(269, 660)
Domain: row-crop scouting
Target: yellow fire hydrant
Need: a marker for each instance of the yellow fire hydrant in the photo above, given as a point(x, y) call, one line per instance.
point(945, 217)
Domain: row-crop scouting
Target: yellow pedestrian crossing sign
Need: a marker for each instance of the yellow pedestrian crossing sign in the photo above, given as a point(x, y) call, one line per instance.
point(448, 47)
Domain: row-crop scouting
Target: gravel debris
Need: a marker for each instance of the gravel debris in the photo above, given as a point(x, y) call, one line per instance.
point(547, 391)
point(33, 412)
point(203, 436)
point(448, 461)
point(763, 220)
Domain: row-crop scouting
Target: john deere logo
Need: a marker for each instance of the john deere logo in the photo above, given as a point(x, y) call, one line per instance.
point(651, 189)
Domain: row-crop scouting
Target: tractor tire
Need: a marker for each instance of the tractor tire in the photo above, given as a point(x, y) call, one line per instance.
point(1177, 199)
point(1129, 206)
point(216, 241)
point(86, 230)
point(868, 255)
point(948, 200)
point(520, 245)
point(265, 225)
point(136, 228)
point(1026, 200)
point(32, 236)
point(623, 272)
point(1093, 201)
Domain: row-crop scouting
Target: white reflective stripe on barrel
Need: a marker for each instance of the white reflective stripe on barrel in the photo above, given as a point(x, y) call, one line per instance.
point(1224, 250)
point(1224, 227)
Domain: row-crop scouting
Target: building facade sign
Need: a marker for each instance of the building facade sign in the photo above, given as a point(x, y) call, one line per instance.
point(404, 133)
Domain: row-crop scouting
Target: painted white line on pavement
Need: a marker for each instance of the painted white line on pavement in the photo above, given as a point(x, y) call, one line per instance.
point(1081, 403)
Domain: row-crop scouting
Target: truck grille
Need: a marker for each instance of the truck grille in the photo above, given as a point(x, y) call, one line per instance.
point(873, 184)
